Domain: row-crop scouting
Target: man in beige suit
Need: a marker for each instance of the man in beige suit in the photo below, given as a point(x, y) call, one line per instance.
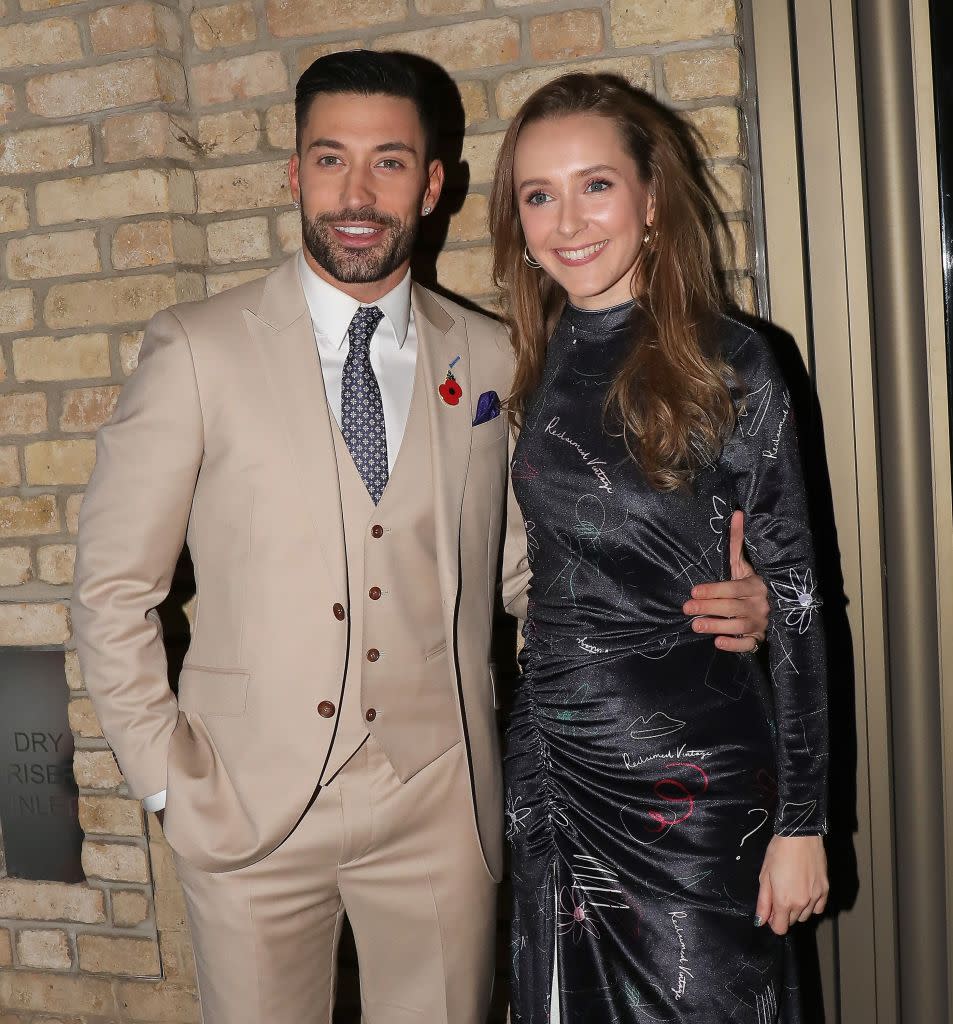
point(327, 440)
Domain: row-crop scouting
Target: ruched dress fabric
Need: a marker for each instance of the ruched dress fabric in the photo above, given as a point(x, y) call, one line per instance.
point(645, 770)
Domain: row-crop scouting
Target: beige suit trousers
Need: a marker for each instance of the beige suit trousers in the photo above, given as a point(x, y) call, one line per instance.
point(402, 861)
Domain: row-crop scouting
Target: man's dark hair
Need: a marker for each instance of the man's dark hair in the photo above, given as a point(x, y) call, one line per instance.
point(367, 73)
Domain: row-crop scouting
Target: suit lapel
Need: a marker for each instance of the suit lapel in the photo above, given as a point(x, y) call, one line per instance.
point(440, 340)
point(283, 330)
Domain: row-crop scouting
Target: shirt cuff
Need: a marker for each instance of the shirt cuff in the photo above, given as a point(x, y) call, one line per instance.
point(156, 802)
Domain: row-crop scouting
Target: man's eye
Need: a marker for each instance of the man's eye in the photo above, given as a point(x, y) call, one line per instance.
point(391, 164)
point(328, 160)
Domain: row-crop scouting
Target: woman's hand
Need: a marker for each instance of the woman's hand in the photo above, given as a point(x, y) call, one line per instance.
point(793, 882)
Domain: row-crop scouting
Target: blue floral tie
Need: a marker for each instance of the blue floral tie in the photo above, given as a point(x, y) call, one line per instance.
point(362, 411)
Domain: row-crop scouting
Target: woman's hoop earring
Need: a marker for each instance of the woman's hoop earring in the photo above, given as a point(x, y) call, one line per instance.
point(530, 262)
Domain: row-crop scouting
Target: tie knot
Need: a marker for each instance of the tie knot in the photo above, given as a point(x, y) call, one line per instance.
point(363, 325)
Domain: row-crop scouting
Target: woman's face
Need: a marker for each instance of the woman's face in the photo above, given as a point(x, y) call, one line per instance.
point(583, 207)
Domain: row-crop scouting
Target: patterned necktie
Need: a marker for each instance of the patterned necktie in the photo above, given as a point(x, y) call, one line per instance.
point(362, 411)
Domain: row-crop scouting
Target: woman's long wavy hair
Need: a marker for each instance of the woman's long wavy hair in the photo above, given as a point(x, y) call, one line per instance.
point(671, 399)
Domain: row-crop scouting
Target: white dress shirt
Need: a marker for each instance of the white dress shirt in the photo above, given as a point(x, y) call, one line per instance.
point(393, 358)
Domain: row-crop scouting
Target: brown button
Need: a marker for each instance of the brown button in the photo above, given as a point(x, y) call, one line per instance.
point(377, 531)
point(339, 612)
point(326, 709)
point(370, 714)
point(374, 593)
point(373, 654)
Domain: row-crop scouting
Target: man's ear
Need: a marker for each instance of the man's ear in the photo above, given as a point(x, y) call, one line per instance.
point(435, 179)
point(293, 164)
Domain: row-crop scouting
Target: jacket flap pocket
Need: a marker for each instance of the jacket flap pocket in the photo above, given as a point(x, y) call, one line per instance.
point(212, 691)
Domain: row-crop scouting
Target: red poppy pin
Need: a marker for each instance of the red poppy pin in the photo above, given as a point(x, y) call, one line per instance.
point(450, 391)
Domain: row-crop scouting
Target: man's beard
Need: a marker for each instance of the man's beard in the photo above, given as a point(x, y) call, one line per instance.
point(358, 266)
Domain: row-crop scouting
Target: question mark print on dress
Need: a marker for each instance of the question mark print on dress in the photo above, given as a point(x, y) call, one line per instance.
point(747, 835)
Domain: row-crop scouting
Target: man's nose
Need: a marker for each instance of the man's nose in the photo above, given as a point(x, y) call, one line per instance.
point(357, 191)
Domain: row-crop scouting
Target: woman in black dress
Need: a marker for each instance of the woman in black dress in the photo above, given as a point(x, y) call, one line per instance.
point(664, 800)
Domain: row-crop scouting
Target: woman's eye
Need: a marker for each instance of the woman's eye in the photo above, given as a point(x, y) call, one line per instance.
point(599, 185)
point(537, 199)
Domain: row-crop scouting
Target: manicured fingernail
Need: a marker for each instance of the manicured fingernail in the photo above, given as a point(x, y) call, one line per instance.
point(757, 921)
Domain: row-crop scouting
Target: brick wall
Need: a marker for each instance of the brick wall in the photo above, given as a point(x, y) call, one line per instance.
point(142, 161)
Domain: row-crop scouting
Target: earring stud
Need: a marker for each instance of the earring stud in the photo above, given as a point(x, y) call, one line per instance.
point(427, 210)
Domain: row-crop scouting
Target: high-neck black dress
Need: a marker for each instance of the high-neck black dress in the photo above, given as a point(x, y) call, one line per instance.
point(646, 770)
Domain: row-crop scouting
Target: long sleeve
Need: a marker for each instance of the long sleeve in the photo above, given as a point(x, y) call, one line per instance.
point(132, 527)
point(763, 457)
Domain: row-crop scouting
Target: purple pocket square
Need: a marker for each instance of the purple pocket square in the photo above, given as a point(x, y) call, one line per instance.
point(488, 408)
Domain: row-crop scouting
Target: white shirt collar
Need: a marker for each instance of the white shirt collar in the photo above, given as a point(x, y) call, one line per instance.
point(332, 310)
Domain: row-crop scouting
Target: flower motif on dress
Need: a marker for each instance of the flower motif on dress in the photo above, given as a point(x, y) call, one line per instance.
point(797, 599)
point(516, 816)
point(572, 916)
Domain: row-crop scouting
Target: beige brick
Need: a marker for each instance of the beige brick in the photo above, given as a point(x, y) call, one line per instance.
point(25, 517)
point(737, 256)
point(6, 948)
point(480, 152)
point(227, 25)
point(23, 413)
point(59, 462)
point(56, 993)
point(280, 126)
point(475, 105)
point(466, 271)
point(74, 358)
point(109, 815)
point(133, 26)
point(118, 862)
point(464, 46)
point(31, 624)
point(44, 5)
point(96, 769)
point(222, 282)
point(178, 963)
point(44, 948)
point(436, 7)
point(470, 224)
point(145, 243)
point(515, 87)
point(129, 345)
point(53, 41)
point(115, 300)
point(14, 215)
point(87, 409)
point(307, 55)
point(312, 17)
point(171, 914)
point(104, 954)
point(15, 567)
point(643, 22)
point(116, 194)
point(130, 907)
point(82, 717)
point(702, 74)
point(36, 150)
point(9, 466)
point(237, 241)
point(730, 182)
point(74, 676)
point(24, 900)
point(566, 35)
point(8, 103)
point(720, 128)
point(234, 132)
point(239, 78)
point(55, 565)
point(289, 231)
point(16, 310)
point(143, 135)
point(167, 1004)
point(119, 84)
point(53, 255)
point(247, 187)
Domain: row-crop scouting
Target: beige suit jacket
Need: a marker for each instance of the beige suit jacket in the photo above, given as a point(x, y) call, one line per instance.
point(223, 433)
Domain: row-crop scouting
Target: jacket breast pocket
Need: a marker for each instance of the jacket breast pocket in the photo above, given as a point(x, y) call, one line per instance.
point(212, 691)
point(489, 433)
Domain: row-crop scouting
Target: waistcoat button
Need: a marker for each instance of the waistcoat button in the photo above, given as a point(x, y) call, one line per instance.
point(377, 531)
point(373, 654)
point(339, 612)
point(326, 709)
point(370, 714)
point(374, 593)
